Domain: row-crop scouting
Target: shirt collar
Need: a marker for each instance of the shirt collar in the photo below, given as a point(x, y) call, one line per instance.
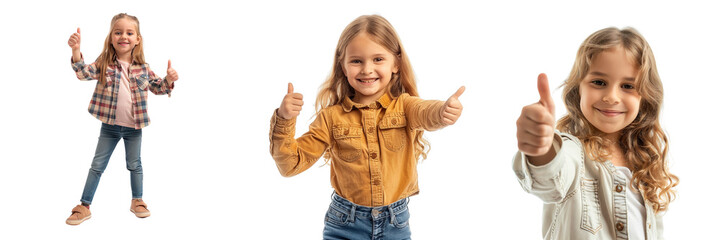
point(383, 101)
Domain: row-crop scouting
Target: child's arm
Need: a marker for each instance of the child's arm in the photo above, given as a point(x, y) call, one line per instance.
point(547, 163)
point(535, 126)
point(83, 72)
point(431, 114)
point(160, 86)
point(293, 156)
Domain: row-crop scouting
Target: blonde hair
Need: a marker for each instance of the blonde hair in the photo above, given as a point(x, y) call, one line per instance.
point(643, 142)
point(107, 56)
point(336, 87)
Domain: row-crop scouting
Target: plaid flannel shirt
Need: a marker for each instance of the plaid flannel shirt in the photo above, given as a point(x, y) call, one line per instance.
point(104, 102)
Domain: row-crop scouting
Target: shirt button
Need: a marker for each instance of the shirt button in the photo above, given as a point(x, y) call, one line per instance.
point(619, 226)
point(374, 155)
point(377, 182)
point(649, 226)
point(619, 188)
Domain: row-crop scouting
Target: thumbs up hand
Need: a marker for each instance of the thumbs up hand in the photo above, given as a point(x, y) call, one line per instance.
point(74, 41)
point(172, 74)
point(452, 108)
point(291, 105)
point(535, 126)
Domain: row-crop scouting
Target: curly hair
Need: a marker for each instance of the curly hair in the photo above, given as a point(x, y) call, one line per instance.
point(643, 142)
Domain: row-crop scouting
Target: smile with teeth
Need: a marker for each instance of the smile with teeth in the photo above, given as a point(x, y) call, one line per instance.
point(367, 80)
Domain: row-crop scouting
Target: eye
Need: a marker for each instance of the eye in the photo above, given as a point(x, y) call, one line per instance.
point(378, 59)
point(355, 61)
point(118, 33)
point(628, 86)
point(130, 34)
point(598, 82)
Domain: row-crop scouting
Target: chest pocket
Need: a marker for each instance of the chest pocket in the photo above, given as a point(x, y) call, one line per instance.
point(142, 81)
point(347, 141)
point(393, 129)
point(591, 215)
point(109, 80)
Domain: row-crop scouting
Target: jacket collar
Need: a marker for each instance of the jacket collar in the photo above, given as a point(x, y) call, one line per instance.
point(383, 101)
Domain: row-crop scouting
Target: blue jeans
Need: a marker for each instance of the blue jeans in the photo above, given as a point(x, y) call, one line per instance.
point(346, 220)
point(109, 137)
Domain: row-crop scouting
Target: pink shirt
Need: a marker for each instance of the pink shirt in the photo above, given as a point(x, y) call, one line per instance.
point(124, 111)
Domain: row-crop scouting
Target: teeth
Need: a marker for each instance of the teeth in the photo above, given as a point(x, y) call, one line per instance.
point(368, 81)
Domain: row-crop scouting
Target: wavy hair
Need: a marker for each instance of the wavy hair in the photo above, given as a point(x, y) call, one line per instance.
point(107, 56)
point(643, 142)
point(336, 87)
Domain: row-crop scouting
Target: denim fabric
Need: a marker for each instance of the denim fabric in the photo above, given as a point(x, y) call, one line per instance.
point(346, 220)
point(109, 137)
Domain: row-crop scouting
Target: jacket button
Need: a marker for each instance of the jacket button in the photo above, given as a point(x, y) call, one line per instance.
point(370, 129)
point(394, 121)
point(377, 182)
point(374, 155)
point(619, 226)
point(347, 131)
point(619, 188)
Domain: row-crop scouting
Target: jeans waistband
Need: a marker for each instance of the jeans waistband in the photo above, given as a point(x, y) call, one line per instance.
point(353, 209)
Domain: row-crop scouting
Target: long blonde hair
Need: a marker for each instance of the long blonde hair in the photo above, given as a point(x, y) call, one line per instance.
point(336, 87)
point(643, 142)
point(107, 57)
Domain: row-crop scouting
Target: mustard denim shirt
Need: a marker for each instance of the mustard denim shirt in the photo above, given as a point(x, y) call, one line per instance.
point(583, 198)
point(372, 160)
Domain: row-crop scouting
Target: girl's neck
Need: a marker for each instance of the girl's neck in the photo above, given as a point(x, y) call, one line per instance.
point(124, 57)
point(616, 154)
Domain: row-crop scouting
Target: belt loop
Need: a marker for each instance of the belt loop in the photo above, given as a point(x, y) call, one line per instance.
point(393, 214)
point(351, 218)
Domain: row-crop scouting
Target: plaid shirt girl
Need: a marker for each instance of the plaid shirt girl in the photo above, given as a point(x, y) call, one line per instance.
point(105, 98)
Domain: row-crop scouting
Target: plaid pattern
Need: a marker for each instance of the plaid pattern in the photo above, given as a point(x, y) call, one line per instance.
point(104, 102)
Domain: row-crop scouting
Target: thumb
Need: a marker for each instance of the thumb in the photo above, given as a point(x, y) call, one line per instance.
point(169, 64)
point(545, 93)
point(290, 88)
point(78, 30)
point(459, 92)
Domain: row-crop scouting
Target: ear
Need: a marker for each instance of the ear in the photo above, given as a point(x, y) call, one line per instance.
point(395, 68)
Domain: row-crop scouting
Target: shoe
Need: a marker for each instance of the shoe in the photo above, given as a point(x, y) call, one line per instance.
point(79, 215)
point(139, 207)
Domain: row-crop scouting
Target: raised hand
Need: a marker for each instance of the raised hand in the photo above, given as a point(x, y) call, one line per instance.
point(74, 41)
point(535, 126)
point(291, 105)
point(172, 74)
point(452, 108)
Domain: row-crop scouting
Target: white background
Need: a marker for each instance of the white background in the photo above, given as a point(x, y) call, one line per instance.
point(208, 173)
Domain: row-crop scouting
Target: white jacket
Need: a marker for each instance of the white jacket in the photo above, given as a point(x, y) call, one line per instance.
point(583, 198)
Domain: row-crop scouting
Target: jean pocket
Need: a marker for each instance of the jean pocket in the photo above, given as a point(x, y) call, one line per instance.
point(347, 141)
point(591, 215)
point(336, 217)
point(401, 219)
point(393, 129)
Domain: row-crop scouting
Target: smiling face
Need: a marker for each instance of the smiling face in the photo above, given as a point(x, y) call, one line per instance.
point(368, 68)
point(124, 38)
point(609, 100)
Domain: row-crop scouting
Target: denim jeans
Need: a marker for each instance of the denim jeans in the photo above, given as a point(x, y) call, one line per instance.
point(346, 220)
point(109, 137)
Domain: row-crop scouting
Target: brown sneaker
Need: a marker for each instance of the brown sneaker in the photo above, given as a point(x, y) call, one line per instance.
point(139, 207)
point(79, 215)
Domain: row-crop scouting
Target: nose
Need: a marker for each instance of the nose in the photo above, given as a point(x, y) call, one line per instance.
point(612, 96)
point(367, 69)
